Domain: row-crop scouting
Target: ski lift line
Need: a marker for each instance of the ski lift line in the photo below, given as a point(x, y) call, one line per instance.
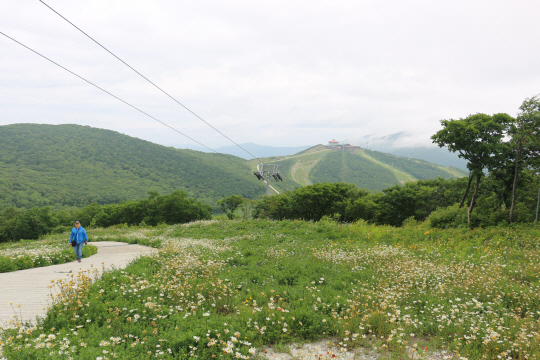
point(145, 78)
point(116, 97)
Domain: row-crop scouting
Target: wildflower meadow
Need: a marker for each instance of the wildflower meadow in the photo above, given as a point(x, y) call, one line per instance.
point(230, 289)
point(36, 253)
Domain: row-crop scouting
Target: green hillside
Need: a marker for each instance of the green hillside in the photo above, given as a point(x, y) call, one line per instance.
point(347, 166)
point(71, 165)
point(371, 170)
point(420, 169)
point(67, 166)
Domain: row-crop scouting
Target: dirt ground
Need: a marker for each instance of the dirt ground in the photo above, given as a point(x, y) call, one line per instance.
point(327, 349)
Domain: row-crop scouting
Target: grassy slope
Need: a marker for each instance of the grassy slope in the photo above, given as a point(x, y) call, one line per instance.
point(364, 286)
point(416, 168)
point(71, 165)
point(294, 168)
point(349, 167)
point(403, 177)
point(371, 170)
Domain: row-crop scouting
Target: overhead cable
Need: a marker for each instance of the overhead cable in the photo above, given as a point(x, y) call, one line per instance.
point(144, 77)
point(125, 102)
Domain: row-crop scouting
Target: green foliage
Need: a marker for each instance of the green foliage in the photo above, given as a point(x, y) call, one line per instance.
point(309, 202)
point(390, 207)
point(451, 216)
point(30, 224)
point(477, 138)
point(230, 204)
point(72, 166)
point(416, 200)
point(525, 141)
point(394, 205)
point(174, 208)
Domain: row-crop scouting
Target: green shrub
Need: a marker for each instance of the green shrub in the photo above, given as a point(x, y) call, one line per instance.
point(410, 222)
point(6, 265)
point(60, 229)
point(451, 216)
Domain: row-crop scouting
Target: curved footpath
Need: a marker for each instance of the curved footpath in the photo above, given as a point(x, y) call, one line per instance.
point(30, 288)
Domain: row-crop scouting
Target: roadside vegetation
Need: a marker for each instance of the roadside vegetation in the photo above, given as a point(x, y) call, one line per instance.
point(27, 254)
point(229, 289)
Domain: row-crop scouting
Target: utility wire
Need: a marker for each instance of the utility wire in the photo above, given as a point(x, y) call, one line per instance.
point(144, 77)
point(125, 102)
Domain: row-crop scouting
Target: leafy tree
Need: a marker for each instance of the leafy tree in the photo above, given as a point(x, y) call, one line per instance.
point(247, 208)
point(315, 201)
point(277, 207)
point(9, 224)
point(230, 204)
point(525, 132)
point(501, 174)
point(477, 138)
point(35, 222)
point(31, 224)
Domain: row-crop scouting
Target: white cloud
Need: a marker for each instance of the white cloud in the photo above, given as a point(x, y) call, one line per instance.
point(274, 73)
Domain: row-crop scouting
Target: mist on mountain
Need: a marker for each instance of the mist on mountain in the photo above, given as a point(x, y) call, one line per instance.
point(415, 146)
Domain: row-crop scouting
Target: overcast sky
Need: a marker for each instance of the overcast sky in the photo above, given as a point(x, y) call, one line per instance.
point(281, 73)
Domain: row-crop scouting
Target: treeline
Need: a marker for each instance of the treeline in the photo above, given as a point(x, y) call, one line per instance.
point(174, 208)
point(435, 201)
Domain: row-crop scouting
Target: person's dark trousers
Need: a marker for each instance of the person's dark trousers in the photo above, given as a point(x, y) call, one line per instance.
point(78, 250)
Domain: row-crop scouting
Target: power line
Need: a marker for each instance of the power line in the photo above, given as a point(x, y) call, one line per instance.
point(144, 77)
point(116, 97)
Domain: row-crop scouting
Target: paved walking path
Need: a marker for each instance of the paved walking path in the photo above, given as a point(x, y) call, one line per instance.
point(29, 288)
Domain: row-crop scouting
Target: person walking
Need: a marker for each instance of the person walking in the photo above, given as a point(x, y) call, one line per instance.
point(79, 237)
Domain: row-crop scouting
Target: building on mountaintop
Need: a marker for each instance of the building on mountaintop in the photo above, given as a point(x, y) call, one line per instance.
point(333, 142)
point(351, 147)
point(335, 145)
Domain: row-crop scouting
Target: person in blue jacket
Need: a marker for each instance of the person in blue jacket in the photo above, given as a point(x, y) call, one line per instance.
point(79, 237)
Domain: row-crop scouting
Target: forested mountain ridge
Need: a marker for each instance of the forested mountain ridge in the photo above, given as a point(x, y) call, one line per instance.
point(71, 166)
point(68, 166)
